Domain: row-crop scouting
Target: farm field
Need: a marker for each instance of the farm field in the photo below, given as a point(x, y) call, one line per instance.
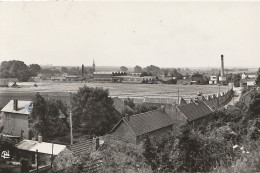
point(122, 90)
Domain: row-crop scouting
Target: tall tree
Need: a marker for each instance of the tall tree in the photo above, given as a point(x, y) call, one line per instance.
point(15, 69)
point(34, 69)
point(93, 110)
point(153, 69)
point(45, 117)
point(138, 69)
point(124, 68)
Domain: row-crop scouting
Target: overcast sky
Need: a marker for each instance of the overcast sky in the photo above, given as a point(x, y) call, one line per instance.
point(166, 34)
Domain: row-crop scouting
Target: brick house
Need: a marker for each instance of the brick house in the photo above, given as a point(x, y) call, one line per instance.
point(16, 118)
point(135, 127)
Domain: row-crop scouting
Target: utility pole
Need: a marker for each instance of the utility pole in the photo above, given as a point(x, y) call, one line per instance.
point(37, 165)
point(71, 130)
point(51, 154)
point(71, 135)
point(178, 97)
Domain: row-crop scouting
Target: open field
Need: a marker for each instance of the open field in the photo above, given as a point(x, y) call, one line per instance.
point(123, 90)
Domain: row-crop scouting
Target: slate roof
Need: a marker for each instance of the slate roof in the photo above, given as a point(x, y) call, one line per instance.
point(194, 111)
point(24, 107)
point(81, 147)
point(119, 105)
point(147, 122)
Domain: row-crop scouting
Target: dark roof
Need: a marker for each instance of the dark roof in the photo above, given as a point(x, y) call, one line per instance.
point(182, 101)
point(195, 110)
point(119, 105)
point(81, 147)
point(147, 122)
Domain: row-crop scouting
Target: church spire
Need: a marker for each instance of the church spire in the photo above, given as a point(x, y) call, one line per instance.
point(94, 66)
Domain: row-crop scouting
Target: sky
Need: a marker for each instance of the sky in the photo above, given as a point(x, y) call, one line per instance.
point(165, 34)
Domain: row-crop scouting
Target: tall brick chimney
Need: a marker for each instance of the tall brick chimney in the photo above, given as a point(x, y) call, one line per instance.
point(15, 106)
point(222, 65)
point(82, 70)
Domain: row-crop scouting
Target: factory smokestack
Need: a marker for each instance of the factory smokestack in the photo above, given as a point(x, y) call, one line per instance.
point(222, 65)
point(82, 70)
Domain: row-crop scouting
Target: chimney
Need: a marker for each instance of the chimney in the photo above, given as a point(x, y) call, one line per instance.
point(15, 106)
point(162, 108)
point(222, 65)
point(82, 70)
point(125, 103)
point(39, 138)
point(127, 117)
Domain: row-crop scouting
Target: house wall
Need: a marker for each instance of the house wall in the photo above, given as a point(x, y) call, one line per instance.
point(155, 133)
point(123, 131)
point(178, 118)
point(14, 123)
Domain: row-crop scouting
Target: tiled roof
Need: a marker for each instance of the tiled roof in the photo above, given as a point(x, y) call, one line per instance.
point(119, 105)
point(147, 122)
point(24, 107)
point(195, 110)
point(81, 147)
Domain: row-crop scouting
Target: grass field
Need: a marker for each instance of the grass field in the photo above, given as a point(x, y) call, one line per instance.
point(124, 90)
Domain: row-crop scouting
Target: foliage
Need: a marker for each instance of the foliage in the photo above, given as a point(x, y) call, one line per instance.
point(129, 102)
point(152, 69)
point(236, 79)
point(93, 110)
point(175, 73)
point(45, 117)
point(15, 69)
point(119, 156)
point(257, 81)
point(124, 68)
point(34, 69)
point(144, 108)
point(138, 69)
point(146, 74)
point(52, 71)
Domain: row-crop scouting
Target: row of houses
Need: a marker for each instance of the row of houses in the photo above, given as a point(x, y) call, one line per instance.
point(130, 128)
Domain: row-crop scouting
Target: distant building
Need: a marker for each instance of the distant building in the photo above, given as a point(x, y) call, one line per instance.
point(213, 80)
point(198, 79)
point(5, 81)
point(248, 75)
point(184, 81)
point(248, 83)
point(16, 118)
point(135, 127)
point(134, 79)
point(102, 76)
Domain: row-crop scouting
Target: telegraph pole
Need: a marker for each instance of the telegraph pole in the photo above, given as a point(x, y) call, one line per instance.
point(71, 130)
point(71, 136)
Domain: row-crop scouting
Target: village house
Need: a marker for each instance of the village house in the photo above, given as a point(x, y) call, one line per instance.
point(194, 111)
point(5, 81)
point(16, 118)
point(120, 106)
point(248, 75)
point(42, 152)
point(135, 127)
